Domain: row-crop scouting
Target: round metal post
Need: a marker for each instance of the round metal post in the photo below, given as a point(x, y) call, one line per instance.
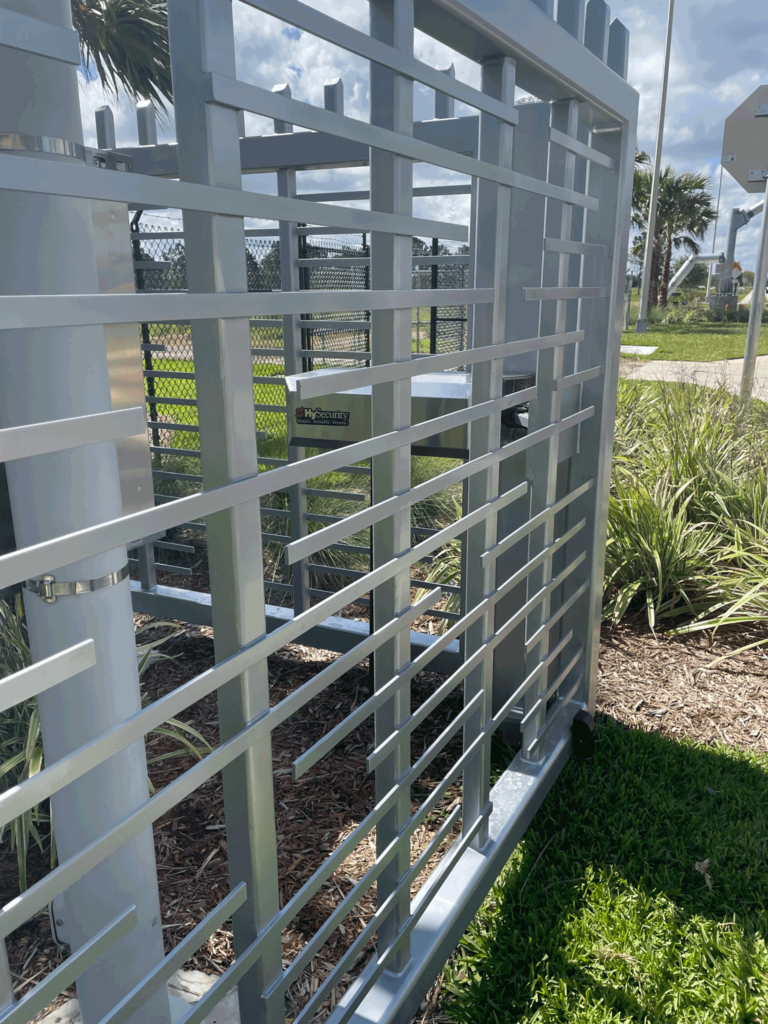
point(755, 312)
point(642, 320)
point(49, 374)
point(714, 237)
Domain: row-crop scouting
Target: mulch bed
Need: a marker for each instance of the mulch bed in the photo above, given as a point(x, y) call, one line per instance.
point(670, 685)
point(313, 816)
point(653, 683)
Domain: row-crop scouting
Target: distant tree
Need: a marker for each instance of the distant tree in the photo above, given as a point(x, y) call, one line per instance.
point(685, 211)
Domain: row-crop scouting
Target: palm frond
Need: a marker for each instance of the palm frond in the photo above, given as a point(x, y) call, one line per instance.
point(126, 42)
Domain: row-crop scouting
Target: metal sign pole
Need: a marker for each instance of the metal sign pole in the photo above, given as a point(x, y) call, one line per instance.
point(755, 314)
point(641, 326)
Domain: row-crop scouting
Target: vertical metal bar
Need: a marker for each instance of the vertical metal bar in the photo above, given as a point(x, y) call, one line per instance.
point(601, 321)
point(524, 263)
point(445, 105)
point(6, 982)
point(570, 14)
point(146, 122)
point(492, 234)
point(391, 21)
point(147, 566)
point(145, 337)
point(105, 128)
point(202, 40)
point(292, 344)
point(433, 309)
point(544, 458)
point(333, 95)
point(49, 374)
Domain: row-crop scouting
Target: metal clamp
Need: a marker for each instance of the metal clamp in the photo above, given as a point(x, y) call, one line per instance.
point(48, 590)
point(17, 142)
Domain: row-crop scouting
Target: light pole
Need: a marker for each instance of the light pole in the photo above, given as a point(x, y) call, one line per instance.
point(714, 239)
point(642, 321)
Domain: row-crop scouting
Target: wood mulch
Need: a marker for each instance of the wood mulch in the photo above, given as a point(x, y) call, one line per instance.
point(313, 816)
point(653, 683)
point(671, 686)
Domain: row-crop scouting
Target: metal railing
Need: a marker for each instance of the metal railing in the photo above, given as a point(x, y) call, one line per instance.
point(553, 184)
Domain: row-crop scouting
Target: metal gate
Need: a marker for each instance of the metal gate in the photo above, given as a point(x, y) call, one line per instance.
point(551, 219)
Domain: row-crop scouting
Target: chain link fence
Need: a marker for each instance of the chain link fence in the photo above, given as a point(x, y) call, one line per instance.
point(325, 263)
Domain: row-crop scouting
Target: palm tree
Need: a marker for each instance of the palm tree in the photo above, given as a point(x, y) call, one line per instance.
point(685, 211)
point(690, 214)
point(126, 42)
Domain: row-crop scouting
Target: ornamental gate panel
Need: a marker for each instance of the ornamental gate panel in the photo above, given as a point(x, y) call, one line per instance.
point(530, 422)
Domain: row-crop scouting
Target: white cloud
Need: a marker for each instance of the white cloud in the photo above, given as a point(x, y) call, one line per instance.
point(718, 57)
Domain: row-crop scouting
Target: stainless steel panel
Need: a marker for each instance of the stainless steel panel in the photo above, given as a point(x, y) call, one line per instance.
point(114, 265)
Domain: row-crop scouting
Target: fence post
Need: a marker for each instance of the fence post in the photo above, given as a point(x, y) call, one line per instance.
point(492, 233)
point(545, 468)
point(146, 122)
point(105, 128)
point(333, 95)
point(202, 40)
point(433, 309)
point(445, 105)
point(391, 21)
point(61, 492)
point(292, 345)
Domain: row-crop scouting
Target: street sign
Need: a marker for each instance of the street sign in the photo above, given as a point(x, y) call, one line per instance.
point(745, 142)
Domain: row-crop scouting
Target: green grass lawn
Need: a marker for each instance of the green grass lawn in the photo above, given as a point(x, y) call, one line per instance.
point(602, 915)
point(695, 342)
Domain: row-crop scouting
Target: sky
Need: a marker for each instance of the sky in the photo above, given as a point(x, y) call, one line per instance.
point(719, 57)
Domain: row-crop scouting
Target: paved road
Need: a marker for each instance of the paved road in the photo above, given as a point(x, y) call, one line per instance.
point(725, 372)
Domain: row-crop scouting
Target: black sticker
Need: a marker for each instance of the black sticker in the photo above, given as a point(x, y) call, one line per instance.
point(322, 417)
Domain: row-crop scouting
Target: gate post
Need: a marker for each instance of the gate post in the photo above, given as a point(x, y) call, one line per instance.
point(202, 40)
point(45, 375)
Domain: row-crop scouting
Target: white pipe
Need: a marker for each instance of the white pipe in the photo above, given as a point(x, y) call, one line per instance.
point(46, 375)
point(688, 266)
point(642, 321)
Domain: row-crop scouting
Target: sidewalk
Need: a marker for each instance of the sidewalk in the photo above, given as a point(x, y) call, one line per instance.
point(725, 372)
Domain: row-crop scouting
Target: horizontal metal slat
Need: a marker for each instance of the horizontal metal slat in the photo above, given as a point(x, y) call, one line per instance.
point(51, 554)
point(53, 984)
point(83, 182)
point(40, 311)
point(428, 190)
point(232, 92)
point(58, 435)
point(327, 353)
point(535, 521)
point(318, 326)
point(159, 400)
point(177, 957)
point(543, 294)
point(329, 383)
point(340, 34)
point(581, 149)
point(42, 675)
point(34, 35)
point(573, 379)
point(186, 452)
point(157, 425)
point(577, 248)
